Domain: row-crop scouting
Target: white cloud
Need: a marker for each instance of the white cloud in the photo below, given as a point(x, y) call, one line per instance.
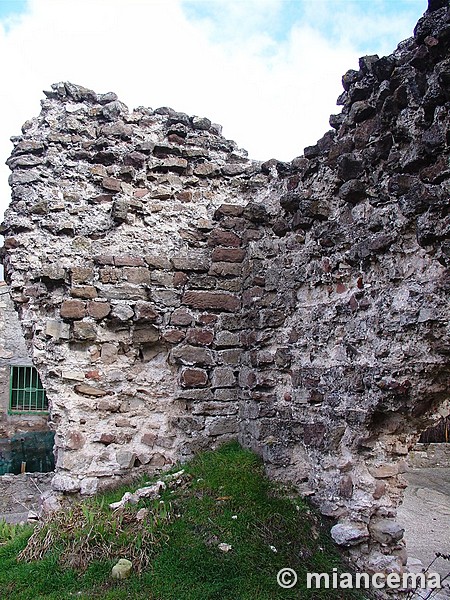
point(272, 97)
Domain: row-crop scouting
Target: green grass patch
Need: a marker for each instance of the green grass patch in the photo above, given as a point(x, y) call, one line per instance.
point(223, 497)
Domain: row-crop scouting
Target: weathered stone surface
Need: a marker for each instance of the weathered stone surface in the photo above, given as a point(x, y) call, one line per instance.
point(136, 275)
point(194, 378)
point(121, 311)
point(145, 311)
point(65, 483)
point(173, 336)
point(221, 237)
point(81, 274)
point(223, 377)
point(349, 534)
point(57, 329)
point(83, 291)
point(384, 471)
point(225, 269)
point(212, 301)
point(181, 317)
point(386, 531)
point(98, 310)
point(223, 426)
point(228, 255)
point(207, 169)
point(125, 260)
point(84, 331)
point(227, 339)
point(73, 309)
point(114, 185)
point(200, 337)
point(191, 355)
point(195, 261)
point(145, 335)
point(89, 390)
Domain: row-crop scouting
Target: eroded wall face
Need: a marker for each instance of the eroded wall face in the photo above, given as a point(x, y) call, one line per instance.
point(177, 295)
point(127, 236)
point(346, 309)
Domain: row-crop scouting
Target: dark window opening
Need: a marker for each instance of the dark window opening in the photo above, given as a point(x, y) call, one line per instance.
point(26, 393)
point(439, 433)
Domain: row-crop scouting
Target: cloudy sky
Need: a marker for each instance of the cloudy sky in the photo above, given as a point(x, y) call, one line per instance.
point(269, 71)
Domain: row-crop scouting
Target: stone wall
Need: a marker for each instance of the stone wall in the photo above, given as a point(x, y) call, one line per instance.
point(18, 432)
point(426, 456)
point(124, 248)
point(176, 294)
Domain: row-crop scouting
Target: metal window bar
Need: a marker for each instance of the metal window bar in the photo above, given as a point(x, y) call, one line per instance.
point(26, 391)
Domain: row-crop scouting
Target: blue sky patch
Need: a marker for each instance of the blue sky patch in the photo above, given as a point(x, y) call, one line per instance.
point(11, 8)
point(367, 25)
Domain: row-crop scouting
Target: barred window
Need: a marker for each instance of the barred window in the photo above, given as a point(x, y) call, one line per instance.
point(26, 391)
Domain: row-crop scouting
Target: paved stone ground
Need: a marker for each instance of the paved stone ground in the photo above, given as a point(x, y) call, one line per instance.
point(425, 514)
point(19, 517)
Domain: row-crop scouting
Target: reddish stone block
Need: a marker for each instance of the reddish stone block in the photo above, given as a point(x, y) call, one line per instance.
point(107, 438)
point(101, 199)
point(179, 279)
point(181, 317)
point(11, 243)
point(93, 375)
point(83, 291)
point(73, 309)
point(206, 170)
point(173, 138)
point(184, 196)
point(144, 311)
point(212, 301)
point(140, 192)
point(112, 184)
point(235, 255)
point(129, 261)
point(200, 337)
point(89, 390)
point(173, 336)
point(98, 310)
point(207, 319)
point(135, 159)
point(194, 378)
point(229, 210)
point(75, 440)
point(220, 237)
point(157, 262)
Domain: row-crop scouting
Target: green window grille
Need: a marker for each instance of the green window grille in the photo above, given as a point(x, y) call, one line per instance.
point(27, 393)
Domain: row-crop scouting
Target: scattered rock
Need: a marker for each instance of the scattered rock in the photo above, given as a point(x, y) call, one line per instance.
point(122, 569)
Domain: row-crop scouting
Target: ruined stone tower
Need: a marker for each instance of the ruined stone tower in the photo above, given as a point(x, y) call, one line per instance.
point(176, 294)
